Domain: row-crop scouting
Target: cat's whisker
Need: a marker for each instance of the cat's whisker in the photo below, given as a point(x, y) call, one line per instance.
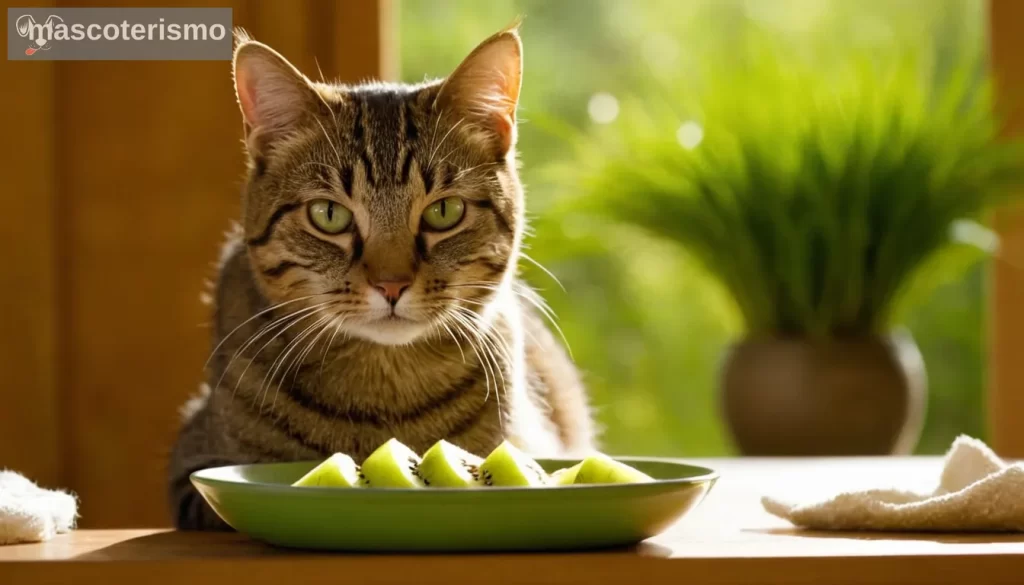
point(473, 302)
point(433, 135)
point(488, 344)
point(467, 333)
point(279, 361)
point(256, 316)
point(334, 116)
point(312, 312)
point(478, 287)
point(548, 313)
point(270, 370)
point(337, 154)
point(281, 358)
point(319, 70)
point(440, 144)
point(531, 298)
point(428, 310)
point(484, 305)
point(498, 371)
point(309, 348)
point(259, 334)
point(455, 339)
point(445, 158)
point(485, 366)
point(300, 356)
point(530, 259)
point(462, 173)
point(336, 324)
point(487, 285)
point(537, 302)
point(497, 340)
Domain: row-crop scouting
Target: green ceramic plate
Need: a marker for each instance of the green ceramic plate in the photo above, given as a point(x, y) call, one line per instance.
point(257, 500)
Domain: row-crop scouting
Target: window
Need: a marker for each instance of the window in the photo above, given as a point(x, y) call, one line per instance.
point(645, 325)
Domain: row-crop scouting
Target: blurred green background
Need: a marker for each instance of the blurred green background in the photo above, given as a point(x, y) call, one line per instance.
point(645, 325)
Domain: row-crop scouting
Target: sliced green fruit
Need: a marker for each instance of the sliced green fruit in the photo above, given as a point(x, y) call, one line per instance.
point(600, 468)
point(392, 465)
point(445, 465)
point(507, 466)
point(338, 470)
point(566, 476)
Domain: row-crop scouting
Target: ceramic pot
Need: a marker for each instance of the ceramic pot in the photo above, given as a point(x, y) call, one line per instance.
point(851, 396)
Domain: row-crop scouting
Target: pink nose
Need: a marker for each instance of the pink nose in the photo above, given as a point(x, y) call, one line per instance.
point(392, 289)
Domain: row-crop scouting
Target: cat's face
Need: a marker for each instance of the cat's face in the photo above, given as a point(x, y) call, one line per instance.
point(389, 211)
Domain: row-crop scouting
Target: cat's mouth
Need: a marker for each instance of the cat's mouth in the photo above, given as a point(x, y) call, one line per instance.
point(390, 326)
point(396, 318)
point(390, 329)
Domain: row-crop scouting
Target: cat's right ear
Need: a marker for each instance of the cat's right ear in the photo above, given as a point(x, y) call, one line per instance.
point(273, 95)
point(484, 89)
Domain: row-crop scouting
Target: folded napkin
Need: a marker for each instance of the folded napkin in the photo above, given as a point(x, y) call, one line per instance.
point(29, 513)
point(977, 492)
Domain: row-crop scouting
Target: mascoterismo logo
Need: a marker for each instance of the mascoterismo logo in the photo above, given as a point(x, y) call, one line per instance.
point(33, 31)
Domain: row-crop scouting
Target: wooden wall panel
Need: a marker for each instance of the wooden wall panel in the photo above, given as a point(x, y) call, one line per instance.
point(150, 181)
point(150, 171)
point(1006, 386)
point(29, 430)
point(120, 179)
point(349, 41)
point(370, 50)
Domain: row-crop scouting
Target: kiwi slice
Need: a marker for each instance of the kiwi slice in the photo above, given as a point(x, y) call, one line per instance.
point(599, 468)
point(392, 465)
point(445, 465)
point(566, 476)
point(338, 470)
point(507, 466)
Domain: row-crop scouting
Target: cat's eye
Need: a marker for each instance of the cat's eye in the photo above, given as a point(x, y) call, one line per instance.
point(329, 217)
point(444, 214)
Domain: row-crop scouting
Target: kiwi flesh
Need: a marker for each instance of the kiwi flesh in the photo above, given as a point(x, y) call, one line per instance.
point(338, 470)
point(507, 466)
point(599, 468)
point(445, 465)
point(566, 476)
point(392, 465)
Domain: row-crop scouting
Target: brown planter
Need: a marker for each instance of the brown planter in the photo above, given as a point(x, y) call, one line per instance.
point(859, 396)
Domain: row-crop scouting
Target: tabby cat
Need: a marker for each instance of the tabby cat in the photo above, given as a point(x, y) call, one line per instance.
point(371, 288)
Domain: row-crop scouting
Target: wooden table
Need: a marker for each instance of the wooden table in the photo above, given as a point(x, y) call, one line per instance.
point(728, 539)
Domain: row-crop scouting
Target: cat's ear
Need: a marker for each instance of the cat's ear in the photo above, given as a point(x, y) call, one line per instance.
point(273, 95)
point(484, 89)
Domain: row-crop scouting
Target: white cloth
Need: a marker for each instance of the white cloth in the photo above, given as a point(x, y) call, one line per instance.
point(977, 492)
point(29, 513)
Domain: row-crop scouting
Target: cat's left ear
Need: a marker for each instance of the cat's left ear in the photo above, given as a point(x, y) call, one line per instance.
point(484, 89)
point(273, 95)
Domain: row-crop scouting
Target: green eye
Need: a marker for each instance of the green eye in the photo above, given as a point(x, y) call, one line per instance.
point(329, 217)
point(444, 214)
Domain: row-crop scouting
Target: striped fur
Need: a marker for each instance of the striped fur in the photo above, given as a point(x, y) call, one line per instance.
point(308, 358)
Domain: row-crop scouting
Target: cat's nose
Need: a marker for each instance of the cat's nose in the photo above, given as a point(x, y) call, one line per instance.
point(392, 289)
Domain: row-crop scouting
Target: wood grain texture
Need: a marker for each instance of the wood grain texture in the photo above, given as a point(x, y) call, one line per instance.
point(728, 539)
point(366, 51)
point(345, 42)
point(123, 178)
point(152, 165)
point(1006, 387)
point(29, 427)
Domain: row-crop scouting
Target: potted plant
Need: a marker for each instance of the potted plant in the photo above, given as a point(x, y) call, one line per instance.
point(823, 202)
